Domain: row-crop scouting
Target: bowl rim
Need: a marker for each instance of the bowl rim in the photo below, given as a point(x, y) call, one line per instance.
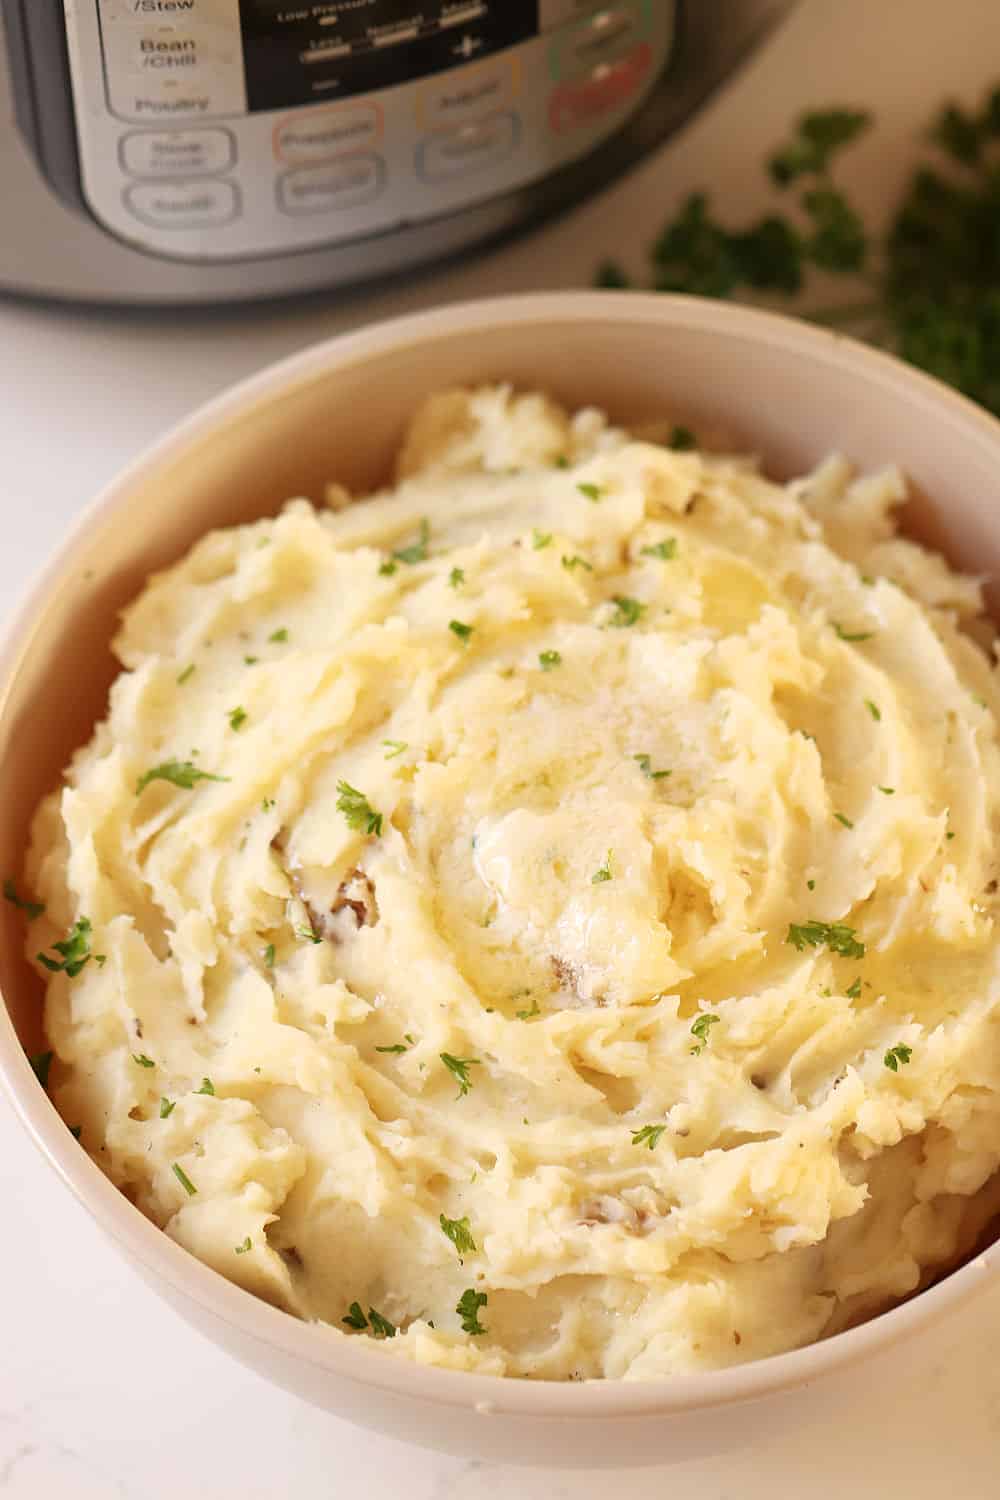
point(313, 1344)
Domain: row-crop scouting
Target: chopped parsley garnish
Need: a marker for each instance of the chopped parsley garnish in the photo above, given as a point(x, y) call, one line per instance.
point(901, 1053)
point(142, 1060)
point(309, 934)
point(576, 561)
point(183, 1179)
point(851, 635)
point(456, 578)
point(561, 461)
point(887, 791)
point(853, 992)
point(355, 1317)
point(649, 1135)
point(31, 909)
point(462, 631)
point(873, 709)
point(645, 765)
point(664, 550)
point(381, 1327)
point(267, 804)
point(187, 673)
point(459, 1067)
point(245, 1247)
point(269, 955)
point(394, 748)
point(167, 1107)
point(237, 718)
point(468, 1306)
point(526, 1015)
point(682, 439)
point(949, 835)
point(833, 935)
point(604, 873)
point(844, 819)
point(540, 539)
point(251, 661)
point(549, 659)
point(182, 773)
point(810, 885)
point(357, 809)
point(593, 492)
point(627, 612)
point(279, 637)
point(207, 1087)
point(388, 568)
point(417, 551)
point(699, 1029)
point(458, 1231)
point(397, 1048)
point(40, 1065)
point(75, 950)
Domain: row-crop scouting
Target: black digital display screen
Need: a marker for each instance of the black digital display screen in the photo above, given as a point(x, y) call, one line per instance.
point(304, 53)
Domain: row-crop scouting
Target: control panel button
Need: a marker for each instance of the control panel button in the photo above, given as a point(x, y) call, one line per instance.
point(552, 13)
point(176, 153)
point(144, 12)
point(466, 93)
point(609, 86)
point(468, 148)
point(322, 134)
point(183, 205)
point(340, 185)
point(602, 38)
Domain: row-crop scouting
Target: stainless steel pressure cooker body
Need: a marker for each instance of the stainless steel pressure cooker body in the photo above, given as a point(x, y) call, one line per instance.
point(165, 151)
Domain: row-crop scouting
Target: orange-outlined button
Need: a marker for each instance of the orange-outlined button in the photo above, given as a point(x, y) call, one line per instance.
point(610, 85)
point(461, 94)
point(321, 135)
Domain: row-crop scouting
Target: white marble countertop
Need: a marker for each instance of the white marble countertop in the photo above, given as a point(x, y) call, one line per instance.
point(103, 1393)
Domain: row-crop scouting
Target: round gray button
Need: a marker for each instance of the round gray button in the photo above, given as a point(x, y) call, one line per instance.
point(342, 184)
point(183, 205)
point(177, 153)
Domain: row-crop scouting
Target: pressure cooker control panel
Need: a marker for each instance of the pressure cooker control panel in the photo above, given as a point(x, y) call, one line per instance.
point(219, 129)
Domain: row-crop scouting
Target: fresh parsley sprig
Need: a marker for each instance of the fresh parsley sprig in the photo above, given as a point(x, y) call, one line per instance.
point(182, 773)
point(833, 935)
point(468, 1306)
point(357, 809)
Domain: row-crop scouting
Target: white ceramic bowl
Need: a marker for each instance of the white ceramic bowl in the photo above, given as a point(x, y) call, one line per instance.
point(787, 391)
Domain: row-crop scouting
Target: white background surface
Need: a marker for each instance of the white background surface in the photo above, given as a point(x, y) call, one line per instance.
point(102, 1391)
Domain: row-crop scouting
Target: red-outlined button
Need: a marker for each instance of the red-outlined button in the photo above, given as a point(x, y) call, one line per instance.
point(573, 105)
point(318, 135)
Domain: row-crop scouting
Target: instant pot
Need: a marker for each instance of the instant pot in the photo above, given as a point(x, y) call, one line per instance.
point(207, 150)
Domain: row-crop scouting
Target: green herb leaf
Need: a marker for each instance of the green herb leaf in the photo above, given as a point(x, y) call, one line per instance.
point(888, 791)
point(852, 635)
point(250, 661)
point(183, 1179)
point(357, 809)
point(381, 1327)
point(569, 563)
point(681, 439)
point(187, 673)
point(458, 1231)
point(456, 578)
point(540, 539)
point(31, 909)
point(873, 709)
point(561, 461)
point(462, 631)
point(309, 934)
point(395, 747)
point(386, 571)
point(627, 612)
point(468, 1306)
point(548, 660)
point(526, 1015)
point(355, 1317)
point(459, 1067)
point(665, 550)
point(611, 276)
point(182, 773)
point(832, 935)
point(854, 991)
point(397, 1048)
point(268, 804)
point(269, 955)
point(842, 818)
point(417, 551)
point(207, 1087)
point(838, 242)
point(604, 873)
point(810, 885)
point(593, 492)
point(142, 1060)
point(245, 1247)
point(74, 950)
point(900, 1054)
point(645, 764)
point(41, 1063)
point(649, 1135)
point(279, 637)
point(167, 1107)
point(699, 1029)
point(817, 137)
point(237, 718)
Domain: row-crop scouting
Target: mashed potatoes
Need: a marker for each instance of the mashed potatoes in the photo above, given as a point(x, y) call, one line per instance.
point(542, 918)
